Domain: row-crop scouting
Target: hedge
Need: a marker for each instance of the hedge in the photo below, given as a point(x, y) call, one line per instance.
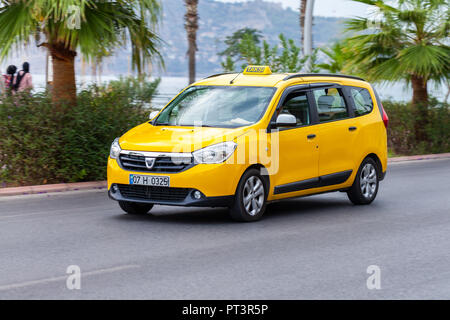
point(402, 139)
point(42, 143)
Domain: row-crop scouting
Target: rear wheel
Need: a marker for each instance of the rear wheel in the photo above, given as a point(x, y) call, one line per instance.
point(250, 198)
point(365, 187)
point(135, 207)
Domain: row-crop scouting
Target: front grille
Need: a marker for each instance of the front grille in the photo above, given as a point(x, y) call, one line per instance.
point(136, 162)
point(153, 193)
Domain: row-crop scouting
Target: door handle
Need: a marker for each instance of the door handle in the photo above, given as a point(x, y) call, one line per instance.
point(352, 128)
point(311, 136)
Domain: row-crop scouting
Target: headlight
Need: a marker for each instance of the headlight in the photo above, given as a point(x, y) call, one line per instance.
point(115, 149)
point(216, 153)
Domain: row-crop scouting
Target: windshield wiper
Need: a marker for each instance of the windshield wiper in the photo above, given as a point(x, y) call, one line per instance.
point(193, 125)
point(184, 125)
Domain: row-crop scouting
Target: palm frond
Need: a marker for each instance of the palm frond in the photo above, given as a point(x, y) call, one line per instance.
point(411, 39)
point(424, 60)
point(104, 25)
point(17, 25)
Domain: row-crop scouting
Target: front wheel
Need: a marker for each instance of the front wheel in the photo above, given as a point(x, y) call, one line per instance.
point(365, 187)
point(250, 198)
point(135, 207)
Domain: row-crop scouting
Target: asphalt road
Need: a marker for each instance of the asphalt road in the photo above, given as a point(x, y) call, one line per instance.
point(310, 248)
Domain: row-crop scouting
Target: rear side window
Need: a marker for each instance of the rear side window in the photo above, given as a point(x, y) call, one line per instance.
point(363, 103)
point(330, 104)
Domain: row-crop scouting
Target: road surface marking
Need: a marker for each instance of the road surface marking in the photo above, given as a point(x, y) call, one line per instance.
point(63, 278)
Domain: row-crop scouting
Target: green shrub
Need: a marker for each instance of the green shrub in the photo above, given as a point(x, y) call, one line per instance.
point(43, 143)
point(402, 137)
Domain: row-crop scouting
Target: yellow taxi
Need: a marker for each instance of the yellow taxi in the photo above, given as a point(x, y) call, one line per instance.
point(242, 140)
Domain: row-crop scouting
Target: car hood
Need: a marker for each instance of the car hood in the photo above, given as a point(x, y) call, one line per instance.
point(147, 137)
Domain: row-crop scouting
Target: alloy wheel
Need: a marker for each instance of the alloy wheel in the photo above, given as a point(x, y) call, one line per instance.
point(253, 195)
point(368, 181)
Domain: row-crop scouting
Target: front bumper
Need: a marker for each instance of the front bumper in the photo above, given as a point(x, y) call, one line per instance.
point(188, 201)
point(216, 182)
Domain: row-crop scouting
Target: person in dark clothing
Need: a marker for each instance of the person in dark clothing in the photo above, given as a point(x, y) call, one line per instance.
point(23, 80)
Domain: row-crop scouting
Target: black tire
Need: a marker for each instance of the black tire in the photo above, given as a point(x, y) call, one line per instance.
point(365, 187)
point(135, 207)
point(238, 211)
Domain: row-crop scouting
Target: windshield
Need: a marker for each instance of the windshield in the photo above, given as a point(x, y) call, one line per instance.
point(213, 106)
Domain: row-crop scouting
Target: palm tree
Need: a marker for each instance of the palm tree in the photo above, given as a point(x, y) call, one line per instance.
point(69, 26)
point(191, 26)
point(410, 42)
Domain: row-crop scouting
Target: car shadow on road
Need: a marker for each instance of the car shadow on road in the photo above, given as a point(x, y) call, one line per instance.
point(306, 206)
point(181, 215)
point(294, 208)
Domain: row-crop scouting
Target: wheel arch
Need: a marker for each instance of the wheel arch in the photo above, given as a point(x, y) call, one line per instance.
point(264, 174)
point(377, 160)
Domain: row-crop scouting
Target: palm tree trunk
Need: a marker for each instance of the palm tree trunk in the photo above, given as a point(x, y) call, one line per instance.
point(307, 32)
point(64, 87)
point(420, 105)
point(191, 26)
point(302, 22)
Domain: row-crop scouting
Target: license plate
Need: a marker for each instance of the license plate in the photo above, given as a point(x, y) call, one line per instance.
point(158, 181)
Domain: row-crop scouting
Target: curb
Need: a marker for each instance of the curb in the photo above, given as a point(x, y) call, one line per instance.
point(46, 188)
point(61, 187)
point(420, 157)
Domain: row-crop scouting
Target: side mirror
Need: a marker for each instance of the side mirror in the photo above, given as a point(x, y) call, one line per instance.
point(153, 114)
point(286, 120)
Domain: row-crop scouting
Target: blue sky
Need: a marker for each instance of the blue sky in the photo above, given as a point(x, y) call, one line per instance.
point(327, 8)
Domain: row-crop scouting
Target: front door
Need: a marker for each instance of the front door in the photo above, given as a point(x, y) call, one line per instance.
point(297, 147)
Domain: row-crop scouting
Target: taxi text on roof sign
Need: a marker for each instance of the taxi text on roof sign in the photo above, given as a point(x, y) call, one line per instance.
point(257, 70)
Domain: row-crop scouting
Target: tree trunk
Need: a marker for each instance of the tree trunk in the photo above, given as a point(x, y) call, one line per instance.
point(191, 54)
point(302, 22)
point(420, 105)
point(191, 26)
point(307, 33)
point(64, 87)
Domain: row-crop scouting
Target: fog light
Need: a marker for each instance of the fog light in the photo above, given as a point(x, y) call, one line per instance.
point(197, 195)
point(114, 188)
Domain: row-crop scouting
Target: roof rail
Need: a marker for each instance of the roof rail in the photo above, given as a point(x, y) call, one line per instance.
point(220, 74)
point(304, 75)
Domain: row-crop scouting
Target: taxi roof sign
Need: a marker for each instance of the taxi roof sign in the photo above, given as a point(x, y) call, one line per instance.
point(257, 70)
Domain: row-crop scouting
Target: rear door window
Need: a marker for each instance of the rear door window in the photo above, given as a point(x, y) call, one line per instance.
point(330, 104)
point(363, 103)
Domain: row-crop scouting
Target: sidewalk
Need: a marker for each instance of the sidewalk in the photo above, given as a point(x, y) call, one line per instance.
point(61, 187)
